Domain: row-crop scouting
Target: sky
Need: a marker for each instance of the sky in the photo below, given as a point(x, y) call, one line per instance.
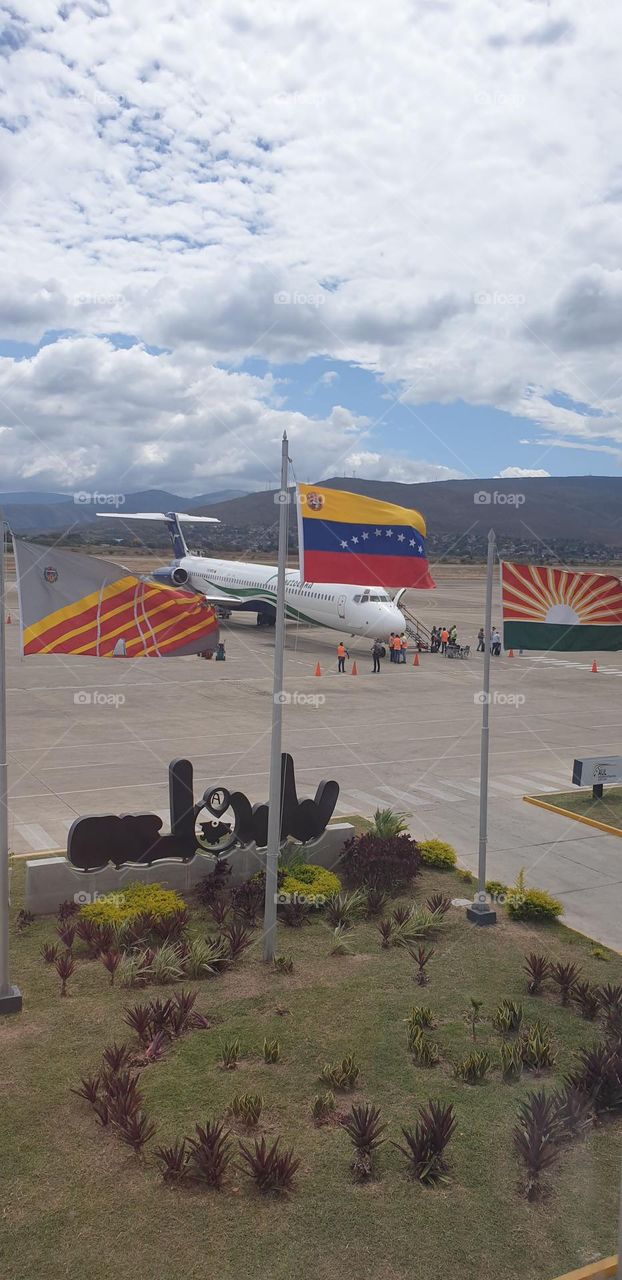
point(392, 231)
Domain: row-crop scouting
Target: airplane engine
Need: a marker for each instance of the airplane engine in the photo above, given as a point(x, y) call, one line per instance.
point(176, 575)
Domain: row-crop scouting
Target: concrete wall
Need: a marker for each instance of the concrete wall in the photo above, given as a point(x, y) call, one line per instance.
point(49, 881)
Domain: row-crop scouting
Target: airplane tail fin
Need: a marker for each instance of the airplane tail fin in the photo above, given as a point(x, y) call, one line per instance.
point(172, 520)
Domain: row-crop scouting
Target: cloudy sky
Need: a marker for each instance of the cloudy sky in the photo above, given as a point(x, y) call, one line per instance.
point(393, 230)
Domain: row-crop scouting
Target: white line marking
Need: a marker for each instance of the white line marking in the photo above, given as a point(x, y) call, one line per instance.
point(35, 836)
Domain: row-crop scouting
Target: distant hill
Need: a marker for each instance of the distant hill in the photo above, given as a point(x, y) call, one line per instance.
point(573, 508)
point(30, 513)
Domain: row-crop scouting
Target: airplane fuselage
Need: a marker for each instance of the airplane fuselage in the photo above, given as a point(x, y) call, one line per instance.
point(353, 610)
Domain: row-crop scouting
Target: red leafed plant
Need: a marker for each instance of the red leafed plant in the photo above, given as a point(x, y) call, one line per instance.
point(111, 961)
point(389, 863)
point(65, 966)
point(270, 1168)
point(210, 1153)
point(173, 1161)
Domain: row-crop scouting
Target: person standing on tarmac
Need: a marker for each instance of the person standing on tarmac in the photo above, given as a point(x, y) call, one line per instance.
point(403, 647)
point(397, 648)
point(480, 640)
point(342, 654)
point(376, 654)
point(391, 649)
point(444, 639)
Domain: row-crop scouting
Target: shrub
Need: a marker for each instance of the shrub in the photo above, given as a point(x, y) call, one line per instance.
point(538, 969)
point(438, 904)
point(422, 958)
point(474, 1068)
point(610, 998)
point(271, 1051)
point(204, 959)
point(135, 900)
point(364, 1126)
point(138, 1018)
point(420, 1016)
point(388, 822)
point(426, 1143)
point(166, 964)
point(531, 904)
point(536, 1048)
point(437, 853)
point(214, 884)
point(66, 933)
point(210, 1154)
point(283, 964)
point(135, 969)
point(389, 864)
point(574, 1111)
point(537, 1135)
point(565, 976)
point(270, 1169)
point(341, 946)
point(111, 961)
point(508, 1017)
point(309, 883)
point(238, 937)
point(376, 901)
point(496, 888)
point(341, 1075)
point(65, 966)
point(386, 929)
point(599, 1076)
point(247, 900)
point(136, 1130)
point(295, 914)
point(323, 1108)
point(49, 952)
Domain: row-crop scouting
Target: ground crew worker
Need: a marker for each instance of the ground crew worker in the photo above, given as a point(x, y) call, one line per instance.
point(444, 639)
point(342, 654)
point(376, 654)
point(480, 640)
point(397, 648)
point(391, 649)
point(403, 647)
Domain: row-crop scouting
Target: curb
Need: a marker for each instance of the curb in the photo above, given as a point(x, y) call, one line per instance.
point(576, 817)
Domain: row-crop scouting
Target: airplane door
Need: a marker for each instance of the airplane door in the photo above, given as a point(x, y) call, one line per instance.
point(341, 606)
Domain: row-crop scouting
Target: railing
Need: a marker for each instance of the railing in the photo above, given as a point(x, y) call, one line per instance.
point(414, 626)
point(595, 1271)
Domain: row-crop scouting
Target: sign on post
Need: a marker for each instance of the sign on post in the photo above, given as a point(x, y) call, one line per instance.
point(596, 771)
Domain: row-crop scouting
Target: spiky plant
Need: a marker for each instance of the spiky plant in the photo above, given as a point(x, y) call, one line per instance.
point(154, 1049)
point(376, 901)
point(565, 977)
point(49, 952)
point(610, 998)
point(365, 1128)
point(511, 1061)
point(425, 1144)
point(210, 1154)
point(598, 1075)
point(137, 1130)
point(89, 1089)
point(271, 1051)
point(65, 966)
point(424, 1051)
point(23, 920)
point(345, 908)
point(536, 1046)
point(389, 822)
point(238, 937)
point(323, 1108)
point(67, 934)
point(473, 1016)
point(247, 901)
point(67, 908)
point(111, 961)
point(538, 970)
point(340, 945)
point(420, 1016)
point(474, 1068)
point(138, 1018)
point(401, 915)
point(386, 929)
point(574, 1111)
point(116, 1057)
point(166, 964)
point(106, 936)
point(86, 931)
point(422, 959)
point(230, 1054)
point(219, 910)
point(438, 904)
point(203, 959)
point(341, 1075)
point(247, 1108)
point(270, 1168)
point(508, 1017)
point(283, 964)
point(173, 1161)
point(135, 968)
point(537, 1135)
point(587, 999)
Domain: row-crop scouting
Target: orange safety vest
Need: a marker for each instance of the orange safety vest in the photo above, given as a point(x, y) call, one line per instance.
point(404, 643)
point(341, 652)
point(444, 636)
point(397, 644)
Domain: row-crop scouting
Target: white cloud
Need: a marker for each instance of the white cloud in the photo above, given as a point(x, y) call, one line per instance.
point(518, 473)
point(382, 466)
point(224, 182)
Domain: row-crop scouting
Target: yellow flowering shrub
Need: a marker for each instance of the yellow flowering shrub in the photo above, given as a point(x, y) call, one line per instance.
point(134, 900)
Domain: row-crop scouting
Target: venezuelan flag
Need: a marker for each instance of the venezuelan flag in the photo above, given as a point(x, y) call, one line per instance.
point(347, 538)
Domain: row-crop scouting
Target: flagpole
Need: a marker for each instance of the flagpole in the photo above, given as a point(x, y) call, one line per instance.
point(480, 912)
point(274, 802)
point(10, 997)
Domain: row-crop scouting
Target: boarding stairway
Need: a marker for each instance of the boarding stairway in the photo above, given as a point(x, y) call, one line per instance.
point(414, 627)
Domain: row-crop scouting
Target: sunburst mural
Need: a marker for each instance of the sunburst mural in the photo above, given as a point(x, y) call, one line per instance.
point(546, 607)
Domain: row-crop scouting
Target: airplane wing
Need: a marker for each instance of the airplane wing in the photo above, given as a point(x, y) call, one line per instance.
point(155, 515)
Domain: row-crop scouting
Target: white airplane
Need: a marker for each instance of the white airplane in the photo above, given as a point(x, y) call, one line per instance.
point(233, 585)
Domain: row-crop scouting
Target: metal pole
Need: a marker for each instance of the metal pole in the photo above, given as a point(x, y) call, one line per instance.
point(10, 997)
point(480, 912)
point(274, 802)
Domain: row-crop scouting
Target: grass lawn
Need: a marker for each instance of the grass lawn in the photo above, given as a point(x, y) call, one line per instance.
point(608, 808)
point(77, 1202)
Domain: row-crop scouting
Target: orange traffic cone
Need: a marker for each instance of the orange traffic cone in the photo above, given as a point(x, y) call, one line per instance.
point(416, 660)
point(318, 669)
point(594, 667)
point(354, 669)
point(510, 653)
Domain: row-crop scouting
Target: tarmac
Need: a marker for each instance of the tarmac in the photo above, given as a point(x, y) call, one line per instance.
point(92, 736)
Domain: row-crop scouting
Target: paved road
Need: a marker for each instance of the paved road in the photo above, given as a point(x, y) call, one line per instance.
point(87, 736)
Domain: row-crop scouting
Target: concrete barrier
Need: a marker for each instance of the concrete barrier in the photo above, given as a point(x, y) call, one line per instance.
point(49, 881)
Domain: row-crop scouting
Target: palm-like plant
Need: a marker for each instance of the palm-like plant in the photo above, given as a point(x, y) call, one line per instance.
point(537, 1135)
point(538, 969)
point(425, 1144)
point(389, 822)
point(365, 1128)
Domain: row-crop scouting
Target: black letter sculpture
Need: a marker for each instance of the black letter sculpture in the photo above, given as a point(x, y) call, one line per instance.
point(97, 841)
